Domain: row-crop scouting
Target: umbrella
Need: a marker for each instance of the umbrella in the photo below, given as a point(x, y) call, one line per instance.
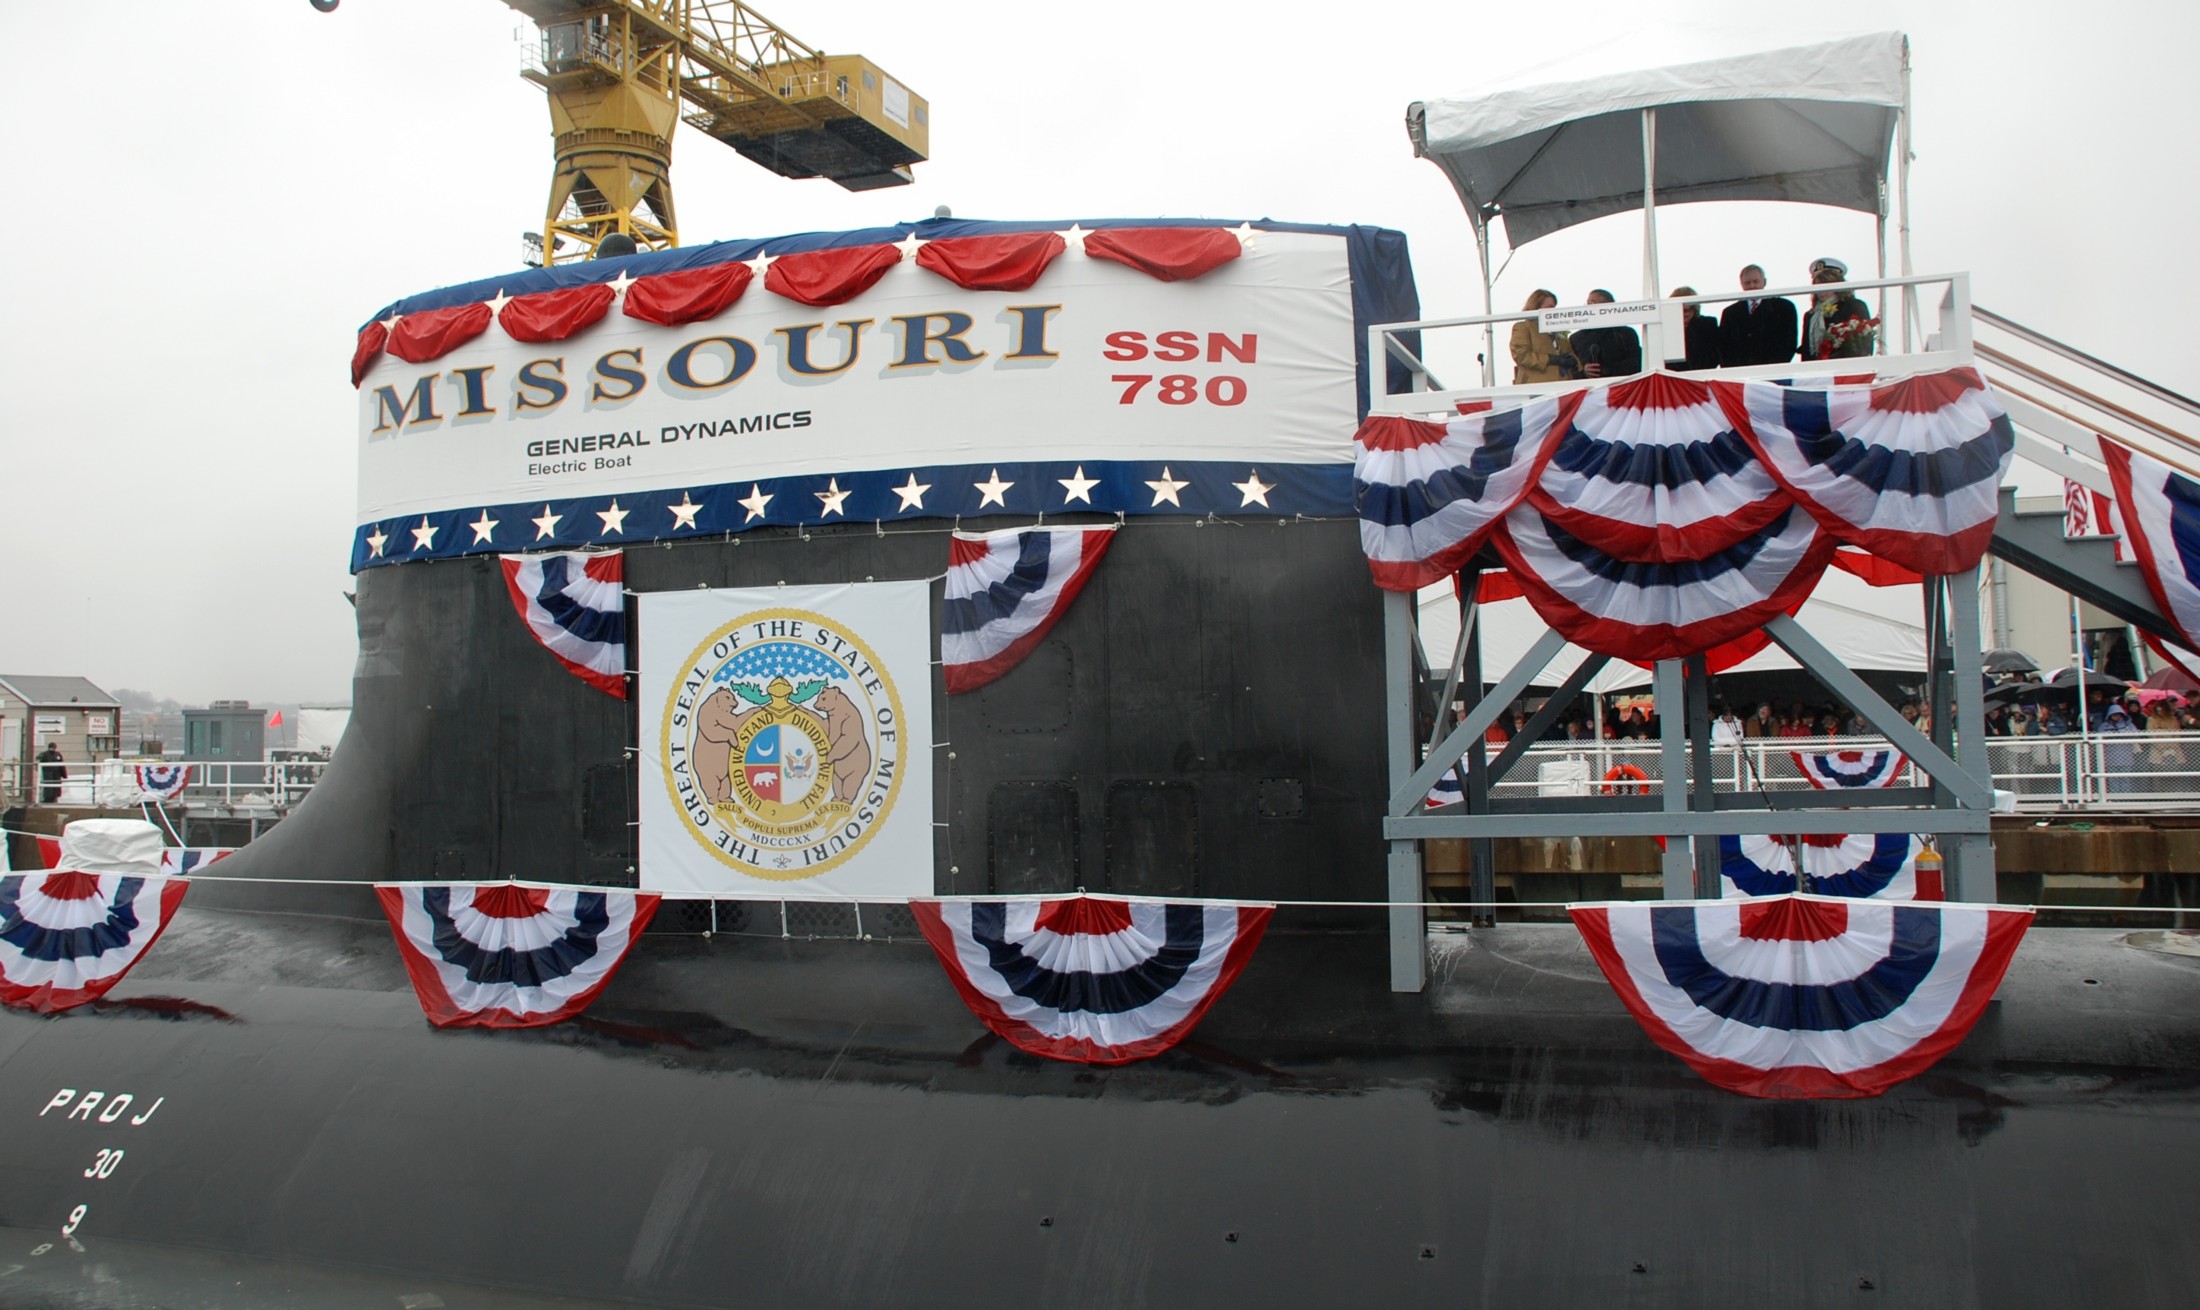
point(2066, 680)
point(2171, 678)
point(2010, 693)
point(2004, 660)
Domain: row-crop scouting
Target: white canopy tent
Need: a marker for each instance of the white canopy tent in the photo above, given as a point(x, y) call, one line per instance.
point(1811, 124)
point(1855, 620)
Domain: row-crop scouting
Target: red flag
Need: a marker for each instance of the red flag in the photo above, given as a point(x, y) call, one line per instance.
point(277, 721)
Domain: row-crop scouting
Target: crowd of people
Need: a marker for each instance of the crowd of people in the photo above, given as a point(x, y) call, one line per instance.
point(2050, 716)
point(1755, 329)
point(1640, 722)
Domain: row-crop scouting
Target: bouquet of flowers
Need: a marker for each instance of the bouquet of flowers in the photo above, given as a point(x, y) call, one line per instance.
point(1847, 338)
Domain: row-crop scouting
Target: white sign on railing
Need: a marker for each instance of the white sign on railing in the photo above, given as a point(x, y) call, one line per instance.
point(1575, 317)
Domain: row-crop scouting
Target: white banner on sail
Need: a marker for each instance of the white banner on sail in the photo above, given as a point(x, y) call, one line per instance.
point(1252, 362)
point(786, 742)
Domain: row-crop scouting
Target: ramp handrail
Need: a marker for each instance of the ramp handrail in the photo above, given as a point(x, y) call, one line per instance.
point(2070, 391)
point(2040, 339)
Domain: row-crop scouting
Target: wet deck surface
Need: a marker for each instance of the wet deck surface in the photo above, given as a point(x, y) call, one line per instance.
point(756, 1122)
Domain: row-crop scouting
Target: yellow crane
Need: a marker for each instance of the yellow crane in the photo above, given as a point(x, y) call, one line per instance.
point(621, 74)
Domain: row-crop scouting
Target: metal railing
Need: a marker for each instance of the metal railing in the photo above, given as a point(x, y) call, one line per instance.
point(270, 784)
point(1948, 346)
point(2118, 772)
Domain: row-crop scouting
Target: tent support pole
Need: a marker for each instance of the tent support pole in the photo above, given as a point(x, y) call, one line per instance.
point(1489, 330)
point(1902, 175)
point(1649, 204)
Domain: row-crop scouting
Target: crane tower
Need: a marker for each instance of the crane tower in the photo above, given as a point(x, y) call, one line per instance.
point(621, 74)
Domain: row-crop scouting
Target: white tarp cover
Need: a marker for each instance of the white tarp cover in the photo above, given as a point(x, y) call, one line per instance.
point(128, 847)
point(1851, 618)
point(320, 727)
point(1809, 123)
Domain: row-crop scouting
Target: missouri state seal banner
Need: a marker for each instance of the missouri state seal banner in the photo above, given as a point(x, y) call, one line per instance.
point(786, 742)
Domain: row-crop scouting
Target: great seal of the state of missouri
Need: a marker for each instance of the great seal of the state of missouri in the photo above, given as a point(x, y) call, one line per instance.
point(783, 743)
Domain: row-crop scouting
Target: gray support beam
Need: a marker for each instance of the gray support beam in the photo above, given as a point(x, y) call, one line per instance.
point(1470, 586)
point(1408, 926)
point(1678, 874)
point(1545, 717)
point(1481, 852)
point(1939, 682)
point(1406, 797)
point(1970, 856)
point(1838, 679)
point(1696, 676)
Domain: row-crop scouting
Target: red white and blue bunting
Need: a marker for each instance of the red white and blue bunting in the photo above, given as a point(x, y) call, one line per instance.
point(1910, 471)
point(1430, 493)
point(1668, 516)
point(2160, 509)
point(1006, 591)
point(178, 861)
point(1087, 978)
point(1832, 770)
point(1799, 996)
point(1869, 866)
point(1653, 611)
point(162, 782)
point(574, 604)
point(1653, 471)
point(500, 955)
point(66, 937)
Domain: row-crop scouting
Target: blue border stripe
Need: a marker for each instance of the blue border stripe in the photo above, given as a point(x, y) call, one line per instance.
point(1312, 490)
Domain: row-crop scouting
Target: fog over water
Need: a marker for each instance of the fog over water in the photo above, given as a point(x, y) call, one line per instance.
point(218, 194)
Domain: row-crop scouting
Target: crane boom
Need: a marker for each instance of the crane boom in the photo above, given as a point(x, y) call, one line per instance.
point(620, 74)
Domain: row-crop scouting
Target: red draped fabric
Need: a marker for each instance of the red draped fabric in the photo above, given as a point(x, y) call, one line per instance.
point(434, 333)
point(1874, 570)
point(1172, 254)
point(1002, 263)
point(555, 315)
point(830, 277)
point(372, 338)
point(689, 296)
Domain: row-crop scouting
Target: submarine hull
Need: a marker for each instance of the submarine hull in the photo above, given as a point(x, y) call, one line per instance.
point(744, 1120)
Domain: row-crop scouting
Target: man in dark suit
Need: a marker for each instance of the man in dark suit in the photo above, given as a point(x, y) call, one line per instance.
point(1757, 329)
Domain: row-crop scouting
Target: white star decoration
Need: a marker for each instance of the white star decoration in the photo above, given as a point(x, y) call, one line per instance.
point(424, 535)
point(1075, 238)
point(761, 264)
point(1244, 233)
point(1167, 487)
point(754, 503)
point(1253, 489)
point(993, 491)
point(831, 499)
point(497, 302)
point(376, 541)
point(1077, 486)
point(683, 514)
point(620, 283)
point(912, 492)
point(614, 520)
point(547, 525)
point(910, 246)
point(484, 528)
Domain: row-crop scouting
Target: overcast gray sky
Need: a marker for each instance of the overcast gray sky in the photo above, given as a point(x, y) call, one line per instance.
point(212, 196)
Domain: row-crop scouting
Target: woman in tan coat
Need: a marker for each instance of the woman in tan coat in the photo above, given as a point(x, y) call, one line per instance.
point(1538, 356)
